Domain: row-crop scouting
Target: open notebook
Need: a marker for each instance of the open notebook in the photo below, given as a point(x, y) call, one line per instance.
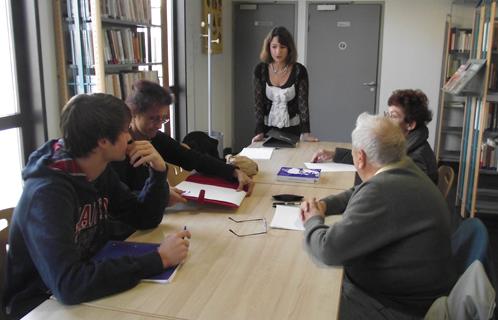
point(212, 190)
point(117, 249)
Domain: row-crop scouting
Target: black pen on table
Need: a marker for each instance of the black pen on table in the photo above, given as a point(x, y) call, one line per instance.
point(286, 203)
point(184, 229)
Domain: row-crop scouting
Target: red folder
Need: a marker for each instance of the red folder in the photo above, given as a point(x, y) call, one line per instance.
point(212, 181)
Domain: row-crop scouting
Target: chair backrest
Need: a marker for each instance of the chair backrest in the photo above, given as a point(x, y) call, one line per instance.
point(472, 297)
point(5, 219)
point(176, 174)
point(446, 175)
point(470, 242)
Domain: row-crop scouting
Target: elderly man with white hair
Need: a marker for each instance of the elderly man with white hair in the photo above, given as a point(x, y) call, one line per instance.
point(394, 237)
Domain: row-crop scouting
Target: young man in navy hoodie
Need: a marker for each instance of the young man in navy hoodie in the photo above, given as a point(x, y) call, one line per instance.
point(70, 195)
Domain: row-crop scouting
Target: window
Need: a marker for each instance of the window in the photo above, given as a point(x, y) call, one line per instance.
point(10, 134)
point(22, 114)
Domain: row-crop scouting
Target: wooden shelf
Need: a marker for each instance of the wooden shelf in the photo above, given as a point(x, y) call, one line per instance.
point(86, 38)
point(478, 188)
point(450, 156)
point(490, 172)
point(127, 23)
point(452, 130)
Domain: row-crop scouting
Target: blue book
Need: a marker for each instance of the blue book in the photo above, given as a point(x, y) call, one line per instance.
point(117, 249)
point(298, 174)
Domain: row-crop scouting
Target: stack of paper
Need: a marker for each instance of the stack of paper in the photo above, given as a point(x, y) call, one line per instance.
point(287, 217)
point(257, 153)
point(330, 166)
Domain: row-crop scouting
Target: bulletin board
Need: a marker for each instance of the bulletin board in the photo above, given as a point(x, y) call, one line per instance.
point(214, 7)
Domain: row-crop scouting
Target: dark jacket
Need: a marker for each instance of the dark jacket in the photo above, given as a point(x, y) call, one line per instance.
point(298, 105)
point(174, 153)
point(421, 153)
point(393, 239)
point(61, 221)
point(417, 148)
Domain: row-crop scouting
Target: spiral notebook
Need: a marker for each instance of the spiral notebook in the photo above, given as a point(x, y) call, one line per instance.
point(117, 249)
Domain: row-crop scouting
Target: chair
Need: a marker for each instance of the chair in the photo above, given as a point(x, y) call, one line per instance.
point(472, 297)
point(176, 174)
point(470, 242)
point(5, 219)
point(445, 179)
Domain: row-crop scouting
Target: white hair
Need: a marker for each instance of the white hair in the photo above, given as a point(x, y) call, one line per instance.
point(380, 138)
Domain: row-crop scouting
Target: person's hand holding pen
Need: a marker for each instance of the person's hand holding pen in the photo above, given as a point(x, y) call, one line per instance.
point(143, 153)
point(175, 196)
point(174, 248)
point(311, 208)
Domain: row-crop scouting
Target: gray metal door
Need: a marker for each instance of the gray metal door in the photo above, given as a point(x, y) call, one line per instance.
point(252, 22)
point(342, 56)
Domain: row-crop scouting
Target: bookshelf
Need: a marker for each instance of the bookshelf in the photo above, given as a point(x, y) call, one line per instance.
point(451, 107)
point(477, 188)
point(105, 45)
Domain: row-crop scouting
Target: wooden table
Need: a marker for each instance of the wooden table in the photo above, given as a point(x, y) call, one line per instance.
point(296, 157)
point(54, 310)
point(266, 276)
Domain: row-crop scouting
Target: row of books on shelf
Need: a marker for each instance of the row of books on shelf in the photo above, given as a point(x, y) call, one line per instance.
point(492, 120)
point(86, 42)
point(120, 84)
point(82, 6)
point(493, 77)
point(122, 46)
point(460, 39)
point(129, 10)
point(135, 11)
point(489, 154)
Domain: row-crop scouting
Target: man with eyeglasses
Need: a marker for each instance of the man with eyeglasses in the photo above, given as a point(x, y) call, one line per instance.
point(394, 236)
point(149, 104)
point(409, 110)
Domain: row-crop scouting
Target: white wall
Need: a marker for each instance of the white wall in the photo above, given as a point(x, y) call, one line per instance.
point(411, 56)
point(197, 95)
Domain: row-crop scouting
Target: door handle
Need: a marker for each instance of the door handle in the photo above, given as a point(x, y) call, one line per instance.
point(370, 84)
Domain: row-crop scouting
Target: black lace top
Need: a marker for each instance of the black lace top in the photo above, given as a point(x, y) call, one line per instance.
point(298, 105)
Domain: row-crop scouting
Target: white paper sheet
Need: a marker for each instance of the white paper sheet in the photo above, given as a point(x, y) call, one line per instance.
point(287, 217)
point(257, 153)
point(212, 192)
point(330, 166)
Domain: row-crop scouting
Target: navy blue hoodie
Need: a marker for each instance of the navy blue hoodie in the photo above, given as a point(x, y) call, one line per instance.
point(62, 220)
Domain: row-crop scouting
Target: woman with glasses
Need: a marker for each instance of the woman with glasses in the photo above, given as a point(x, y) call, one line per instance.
point(409, 109)
point(149, 105)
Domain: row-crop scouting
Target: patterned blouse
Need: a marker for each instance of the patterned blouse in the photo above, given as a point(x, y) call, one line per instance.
point(298, 105)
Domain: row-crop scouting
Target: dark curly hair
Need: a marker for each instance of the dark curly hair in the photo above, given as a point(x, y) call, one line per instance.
point(414, 104)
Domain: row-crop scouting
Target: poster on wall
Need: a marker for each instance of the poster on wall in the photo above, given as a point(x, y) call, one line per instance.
point(215, 9)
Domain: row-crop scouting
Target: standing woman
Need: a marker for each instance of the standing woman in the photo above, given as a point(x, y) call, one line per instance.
point(281, 88)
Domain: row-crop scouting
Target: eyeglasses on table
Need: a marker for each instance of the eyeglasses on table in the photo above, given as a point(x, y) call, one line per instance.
point(248, 220)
